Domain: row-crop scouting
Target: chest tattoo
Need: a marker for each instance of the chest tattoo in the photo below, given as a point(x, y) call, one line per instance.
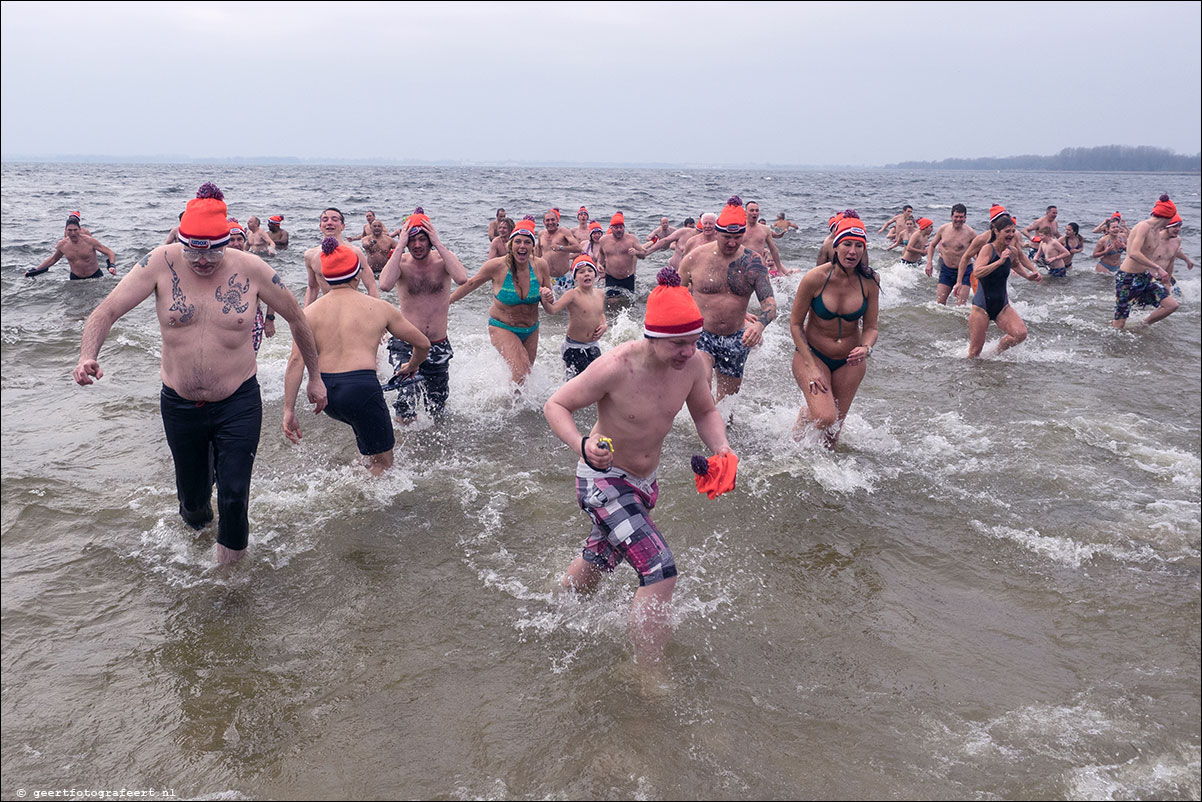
point(233, 297)
point(179, 302)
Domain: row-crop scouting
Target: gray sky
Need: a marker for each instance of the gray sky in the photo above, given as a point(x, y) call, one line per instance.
point(856, 83)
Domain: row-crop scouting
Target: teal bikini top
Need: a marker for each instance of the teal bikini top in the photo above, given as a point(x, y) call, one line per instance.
point(509, 294)
point(821, 311)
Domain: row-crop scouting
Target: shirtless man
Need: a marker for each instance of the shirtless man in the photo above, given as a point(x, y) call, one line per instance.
point(618, 256)
point(204, 293)
point(722, 278)
point(952, 240)
point(581, 231)
point(757, 238)
point(1053, 254)
point(912, 255)
point(257, 240)
point(707, 235)
point(1172, 232)
point(1110, 248)
point(500, 243)
point(963, 279)
point(331, 225)
point(664, 229)
point(278, 235)
point(1045, 226)
point(906, 213)
point(347, 327)
point(558, 247)
point(616, 477)
point(422, 278)
point(826, 251)
point(678, 241)
point(80, 250)
point(1140, 277)
point(378, 247)
point(493, 225)
point(371, 218)
point(782, 225)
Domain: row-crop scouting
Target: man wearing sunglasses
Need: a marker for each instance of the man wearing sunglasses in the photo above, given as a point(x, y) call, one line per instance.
point(206, 294)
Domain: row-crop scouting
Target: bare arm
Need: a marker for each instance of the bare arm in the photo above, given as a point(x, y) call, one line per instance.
point(455, 268)
point(1022, 265)
point(369, 278)
point(391, 273)
point(931, 250)
point(711, 426)
point(135, 288)
point(108, 253)
point(313, 290)
point(51, 259)
point(402, 329)
point(1135, 248)
point(276, 295)
point(292, 382)
point(583, 391)
point(486, 272)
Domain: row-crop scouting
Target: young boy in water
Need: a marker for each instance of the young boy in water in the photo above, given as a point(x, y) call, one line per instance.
point(638, 388)
point(586, 316)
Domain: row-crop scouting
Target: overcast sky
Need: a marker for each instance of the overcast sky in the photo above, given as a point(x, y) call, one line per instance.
point(724, 83)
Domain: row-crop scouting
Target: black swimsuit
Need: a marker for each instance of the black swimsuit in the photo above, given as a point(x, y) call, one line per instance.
point(991, 289)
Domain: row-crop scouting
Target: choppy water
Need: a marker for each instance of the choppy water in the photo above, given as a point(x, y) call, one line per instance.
point(991, 590)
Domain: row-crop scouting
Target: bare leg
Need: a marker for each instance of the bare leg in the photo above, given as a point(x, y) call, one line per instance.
point(650, 627)
point(513, 351)
point(1167, 307)
point(726, 385)
point(844, 383)
point(978, 324)
point(941, 293)
point(1016, 330)
point(819, 408)
point(582, 576)
point(228, 556)
point(378, 463)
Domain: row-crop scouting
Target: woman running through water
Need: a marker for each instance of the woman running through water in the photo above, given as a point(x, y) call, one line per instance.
point(997, 258)
point(520, 280)
point(834, 327)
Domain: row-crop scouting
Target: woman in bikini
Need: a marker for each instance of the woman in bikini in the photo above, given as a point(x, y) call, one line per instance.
point(990, 301)
point(520, 282)
point(834, 328)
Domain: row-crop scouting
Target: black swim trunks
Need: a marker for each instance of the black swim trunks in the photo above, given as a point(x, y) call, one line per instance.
point(619, 287)
point(355, 398)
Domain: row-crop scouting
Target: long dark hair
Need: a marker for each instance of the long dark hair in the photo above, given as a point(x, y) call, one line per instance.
point(1002, 221)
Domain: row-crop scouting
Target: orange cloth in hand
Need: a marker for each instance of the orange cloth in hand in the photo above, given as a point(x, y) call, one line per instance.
point(721, 475)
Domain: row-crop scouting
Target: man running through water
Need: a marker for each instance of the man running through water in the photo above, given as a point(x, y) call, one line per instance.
point(557, 246)
point(1142, 277)
point(80, 250)
point(347, 327)
point(331, 224)
point(952, 240)
point(618, 255)
point(422, 278)
point(722, 278)
point(212, 412)
point(616, 477)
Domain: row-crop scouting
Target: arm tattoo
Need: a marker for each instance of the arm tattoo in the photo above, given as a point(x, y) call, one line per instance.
point(275, 279)
point(748, 274)
point(144, 261)
point(233, 296)
point(179, 303)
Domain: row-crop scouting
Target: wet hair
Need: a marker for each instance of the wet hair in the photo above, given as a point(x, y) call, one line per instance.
point(688, 221)
point(1002, 221)
point(341, 216)
point(907, 206)
point(1050, 208)
point(1076, 229)
point(960, 208)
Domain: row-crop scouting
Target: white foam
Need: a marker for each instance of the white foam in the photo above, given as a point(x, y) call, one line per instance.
point(1065, 550)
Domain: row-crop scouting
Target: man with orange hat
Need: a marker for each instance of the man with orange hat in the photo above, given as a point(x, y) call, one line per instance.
point(951, 240)
point(1142, 277)
point(912, 254)
point(422, 278)
point(278, 235)
point(616, 476)
point(332, 224)
point(80, 249)
point(582, 230)
point(722, 278)
point(558, 247)
point(618, 255)
point(347, 326)
point(205, 297)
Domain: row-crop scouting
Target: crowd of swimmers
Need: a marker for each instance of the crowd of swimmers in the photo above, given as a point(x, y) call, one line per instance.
point(215, 299)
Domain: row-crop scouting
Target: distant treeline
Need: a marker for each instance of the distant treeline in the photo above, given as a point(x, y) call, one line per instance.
point(1108, 158)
